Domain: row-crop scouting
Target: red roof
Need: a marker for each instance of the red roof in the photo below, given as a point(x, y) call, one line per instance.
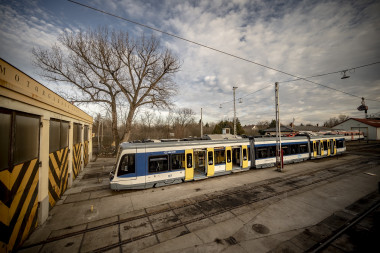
point(370, 122)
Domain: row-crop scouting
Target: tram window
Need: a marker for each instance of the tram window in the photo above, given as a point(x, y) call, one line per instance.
point(228, 156)
point(272, 151)
point(26, 138)
point(220, 156)
point(210, 157)
point(303, 148)
point(294, 149)
point(5, 134)
point(286, 149)
point(245, 154)
point(249, 153)
point(64, 142)
point(127, 165)
point(158, 163)
point(325, 145)
point(177, 161)
point(54, 135)
point(189, 158)
point(261, 153)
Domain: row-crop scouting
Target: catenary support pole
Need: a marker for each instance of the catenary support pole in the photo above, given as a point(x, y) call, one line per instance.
point(201, 124)
point(234, 88)
point(279, 161)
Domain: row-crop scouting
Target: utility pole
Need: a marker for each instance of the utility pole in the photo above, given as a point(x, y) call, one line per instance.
point(234, 88)
point(99, 136)
point(201, 124)
point(279, 161)
point(102, 133)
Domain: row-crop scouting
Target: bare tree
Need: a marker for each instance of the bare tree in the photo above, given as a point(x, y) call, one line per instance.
point(335, 121)
point(147, 123)
point(80, 62)
point(106, 66)
point(182, 119)
point(143, 72)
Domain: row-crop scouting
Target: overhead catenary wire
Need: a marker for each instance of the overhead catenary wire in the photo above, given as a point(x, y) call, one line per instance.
point(182, 38)
point(335, 72)
point(267, 86)
point(225, 53)
point(319, 75)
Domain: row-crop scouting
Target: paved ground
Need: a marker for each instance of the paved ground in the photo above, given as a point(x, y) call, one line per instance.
point(253, 211)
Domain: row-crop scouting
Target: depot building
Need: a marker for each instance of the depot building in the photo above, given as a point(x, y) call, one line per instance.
point(45, 143)
point(369, 127)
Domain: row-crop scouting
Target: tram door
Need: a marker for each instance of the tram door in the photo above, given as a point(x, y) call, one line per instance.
point(333, 145)
point(210, 162)
point(189, 169)
point(200, 162)
point(315, 149)
point(328, 148)
point(244, 157)
point(228, 159)
point(236, 158)
point(322, 147)
point(319, 146)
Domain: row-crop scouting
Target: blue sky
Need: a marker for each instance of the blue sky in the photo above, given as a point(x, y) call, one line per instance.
point(304, 38)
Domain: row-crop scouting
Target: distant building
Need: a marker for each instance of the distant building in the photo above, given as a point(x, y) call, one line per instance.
point(369, 127)
point(315, 129)
point(284, 130)
point(226, 130)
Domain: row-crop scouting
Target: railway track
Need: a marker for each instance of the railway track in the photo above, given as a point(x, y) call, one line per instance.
point(217, 203)
point(344, 230)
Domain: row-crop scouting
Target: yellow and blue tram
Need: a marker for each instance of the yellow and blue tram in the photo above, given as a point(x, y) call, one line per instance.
point(146, 165)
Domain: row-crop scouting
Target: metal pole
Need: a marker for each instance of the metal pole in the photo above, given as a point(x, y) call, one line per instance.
point(102, 132)
point(234, 88)
point(278, 130)
point(201, 124)
point(99, 136)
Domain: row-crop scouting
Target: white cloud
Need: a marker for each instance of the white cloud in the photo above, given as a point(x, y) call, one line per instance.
point(301, 38)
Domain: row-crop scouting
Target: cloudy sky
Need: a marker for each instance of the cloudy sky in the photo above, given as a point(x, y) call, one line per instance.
point(302, 38)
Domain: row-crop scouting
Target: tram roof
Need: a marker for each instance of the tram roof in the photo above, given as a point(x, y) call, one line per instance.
point(127, 145)
point(179, 143)
point(300, 137)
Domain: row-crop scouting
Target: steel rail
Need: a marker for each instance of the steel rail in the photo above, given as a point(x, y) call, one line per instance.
point(213, 196)
point(342, 230)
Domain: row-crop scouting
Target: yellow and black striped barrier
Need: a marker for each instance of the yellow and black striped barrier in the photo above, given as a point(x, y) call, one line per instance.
point(77, 149)
point(58, 173)
point(18, 203)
